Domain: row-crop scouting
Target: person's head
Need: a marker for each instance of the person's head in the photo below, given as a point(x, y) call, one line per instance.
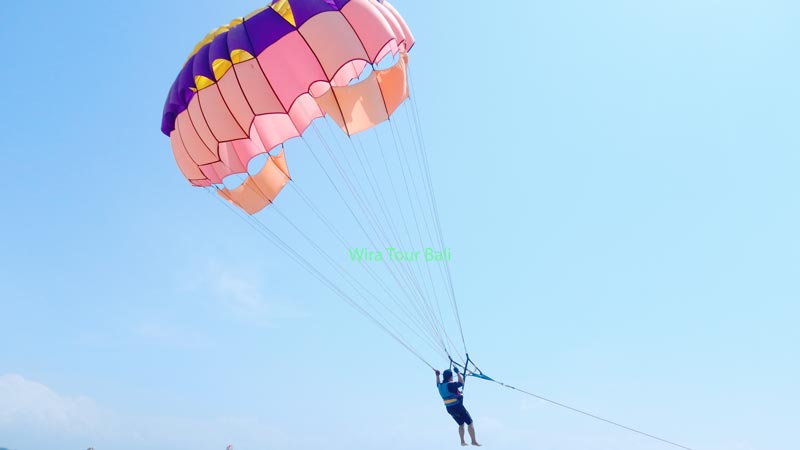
point(447, 375)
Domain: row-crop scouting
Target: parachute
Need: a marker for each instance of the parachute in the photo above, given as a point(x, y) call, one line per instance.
point(324, 83)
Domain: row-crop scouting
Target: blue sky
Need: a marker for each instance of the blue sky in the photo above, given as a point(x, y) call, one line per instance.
point(618, 182)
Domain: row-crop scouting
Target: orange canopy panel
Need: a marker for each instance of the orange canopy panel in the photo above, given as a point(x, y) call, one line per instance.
point(363, 105)
point(260, 190)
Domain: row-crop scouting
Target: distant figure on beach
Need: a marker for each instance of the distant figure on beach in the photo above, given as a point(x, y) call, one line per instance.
point(454, 402)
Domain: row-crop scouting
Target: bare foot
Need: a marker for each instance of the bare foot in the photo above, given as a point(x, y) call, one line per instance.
point(463, 444)
point(476, 444)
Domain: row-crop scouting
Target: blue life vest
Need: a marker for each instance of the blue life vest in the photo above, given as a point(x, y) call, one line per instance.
point(450, 399)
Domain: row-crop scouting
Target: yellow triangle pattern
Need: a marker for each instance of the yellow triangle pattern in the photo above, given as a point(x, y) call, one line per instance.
point(283, 8)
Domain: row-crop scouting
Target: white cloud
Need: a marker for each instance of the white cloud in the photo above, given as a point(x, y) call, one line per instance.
point(240, 292)
point(35, 416)
point(242, 296)
point(32, 405)
point(169, 335)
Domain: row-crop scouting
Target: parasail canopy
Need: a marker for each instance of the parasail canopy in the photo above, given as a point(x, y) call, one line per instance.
point(251, 85)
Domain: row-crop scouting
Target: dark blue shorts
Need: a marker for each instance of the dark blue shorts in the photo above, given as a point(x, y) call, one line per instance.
point(460, 414)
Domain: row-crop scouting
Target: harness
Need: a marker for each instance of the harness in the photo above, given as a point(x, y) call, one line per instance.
point(450, 399)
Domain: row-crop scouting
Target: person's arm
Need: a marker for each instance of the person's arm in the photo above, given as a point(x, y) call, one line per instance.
point(460, 377)
point(438, 382)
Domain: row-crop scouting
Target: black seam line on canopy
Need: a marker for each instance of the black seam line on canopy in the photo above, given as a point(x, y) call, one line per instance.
point(437, 215)
point(593, 416)
point(194, 129)
point(419, 298)
point(415, 277)
point(205, 121)
point(275, 240)
point(365, 293)
point(224, 102)
point(183, 144)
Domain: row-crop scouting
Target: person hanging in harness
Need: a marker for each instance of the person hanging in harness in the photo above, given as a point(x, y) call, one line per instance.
point(454, 402)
